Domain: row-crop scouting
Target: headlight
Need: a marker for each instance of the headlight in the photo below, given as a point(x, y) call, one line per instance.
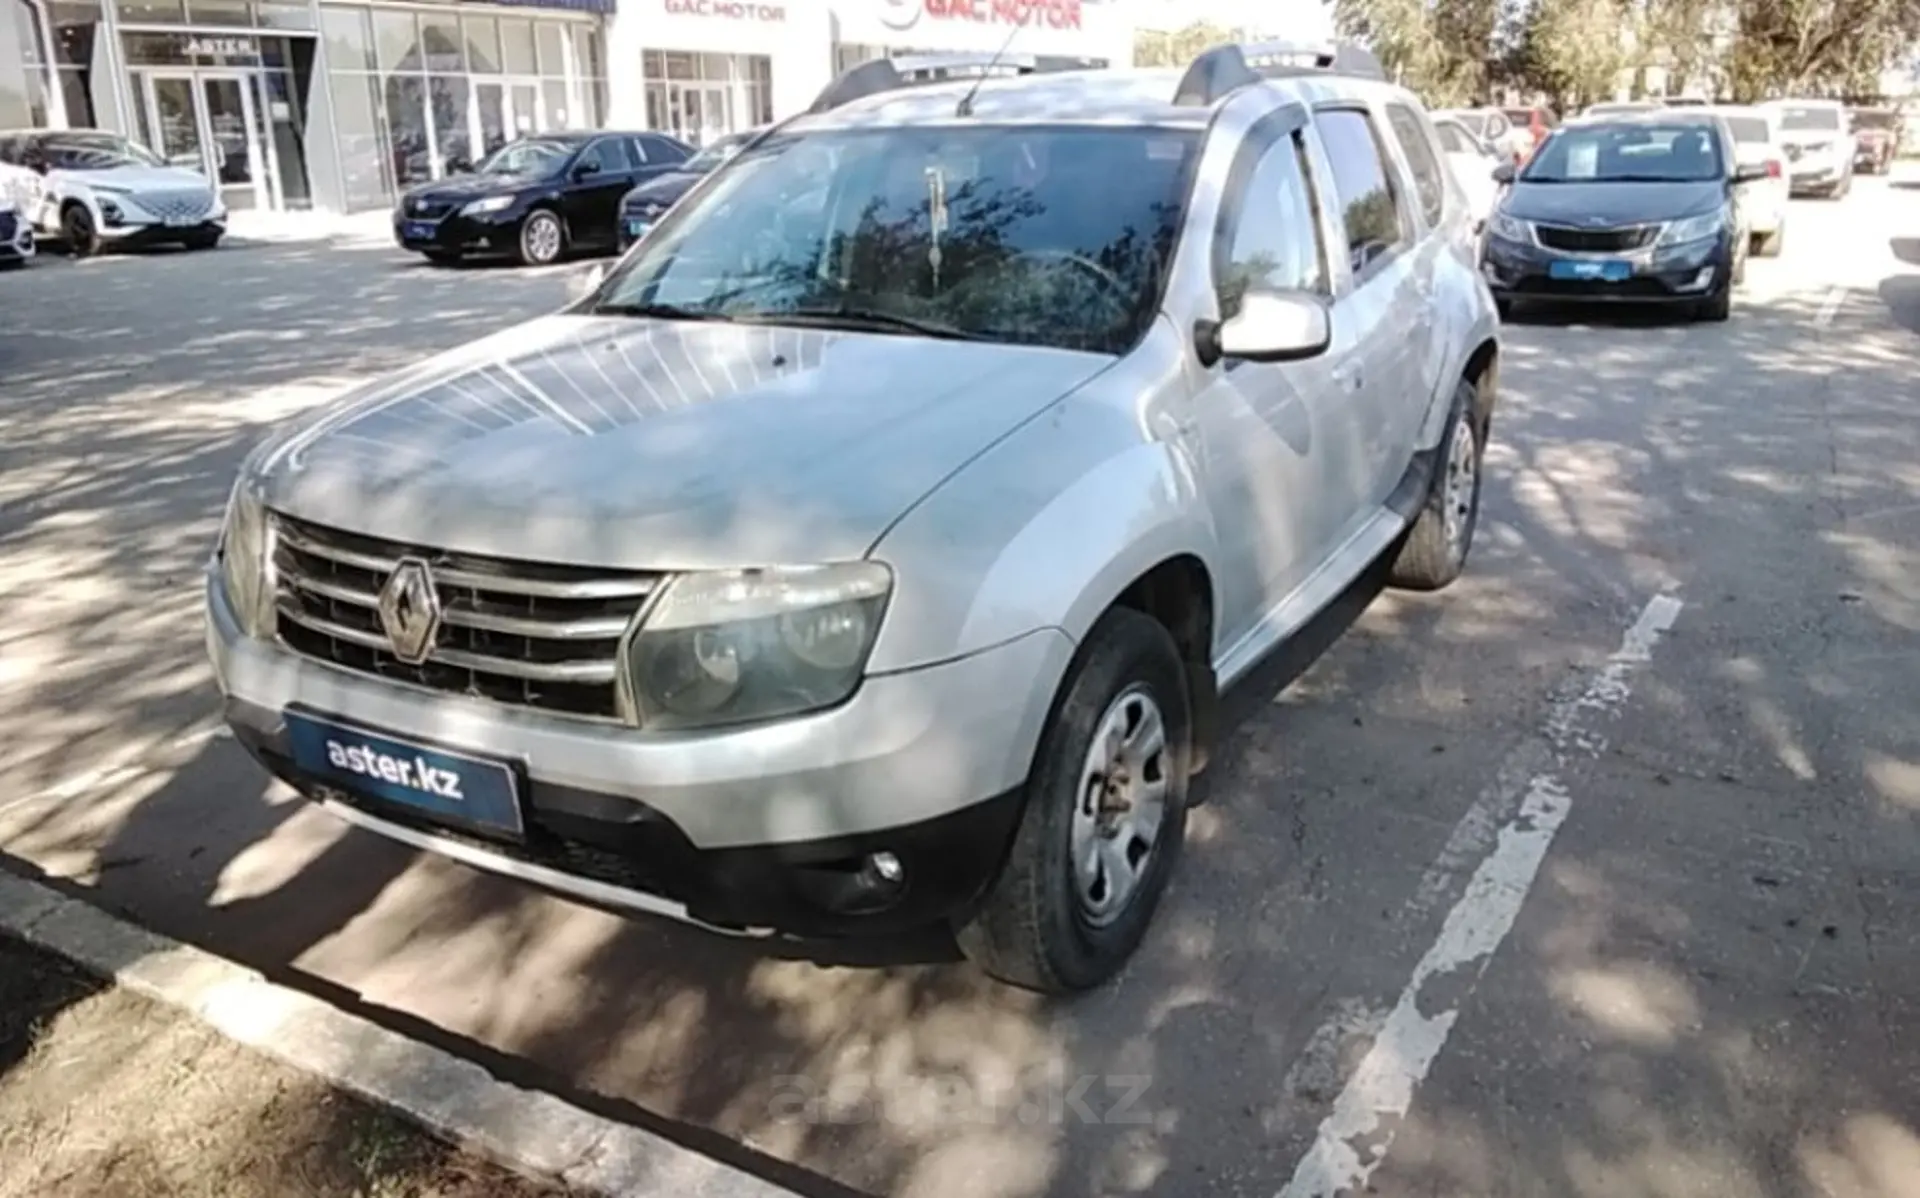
point(1694, 228)
point(1506, 228)
point(244, 567)
point(736, 646)
point(490, 204)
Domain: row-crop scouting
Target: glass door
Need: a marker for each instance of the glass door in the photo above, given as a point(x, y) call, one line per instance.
point(237, 140)
point(493, 120)
point(173, 117)
point(526, 108)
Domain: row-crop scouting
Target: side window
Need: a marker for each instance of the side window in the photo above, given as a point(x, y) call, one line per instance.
point(607, 152)
point(637, 151)
point(659, 150)
point(1429, 178)
point(1272, 242)
point(1497, 127)
point(1363, 192)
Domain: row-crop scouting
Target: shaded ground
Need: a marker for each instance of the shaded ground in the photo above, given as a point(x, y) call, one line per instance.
point(106, 1094)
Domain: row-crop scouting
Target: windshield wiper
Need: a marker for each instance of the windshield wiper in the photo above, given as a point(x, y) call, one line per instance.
point(863, 320)
point(659, 312)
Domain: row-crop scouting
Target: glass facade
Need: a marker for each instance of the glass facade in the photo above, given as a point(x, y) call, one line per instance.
point(421, 92)
point(50, 72)
point(700, 97)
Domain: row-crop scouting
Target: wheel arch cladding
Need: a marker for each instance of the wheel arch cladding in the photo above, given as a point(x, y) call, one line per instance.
point(1483, 371)
point(1178, 593)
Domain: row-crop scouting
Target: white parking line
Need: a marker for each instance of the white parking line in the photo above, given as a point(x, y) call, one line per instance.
point(1831, 307)
point(1353, 1139)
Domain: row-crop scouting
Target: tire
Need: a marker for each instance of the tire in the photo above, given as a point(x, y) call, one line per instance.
point(76, 225)
point(443, 257)
point(1718, 309)
point(1767, 245)
point(1841, 188)
point(542, 239)
point(1039, 927)
point(1435, 550)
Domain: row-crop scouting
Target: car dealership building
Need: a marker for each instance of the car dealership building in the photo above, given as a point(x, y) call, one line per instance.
point(337, 106)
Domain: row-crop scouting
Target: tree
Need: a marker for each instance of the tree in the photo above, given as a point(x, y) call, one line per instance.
point(1152, 48)
point(1786, 46)
point(1440, 50)
point(1575, 50)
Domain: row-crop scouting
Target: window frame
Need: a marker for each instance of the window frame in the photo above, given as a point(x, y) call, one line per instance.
point(1430, 139)
point(1287, 125)
point(1390, 168)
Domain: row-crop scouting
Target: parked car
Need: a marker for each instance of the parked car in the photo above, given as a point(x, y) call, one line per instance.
point(1536, 122)
point(1472, 162)
point(1819, 149)
point(99, 188)
point(1756, 144)
point(536, 198)
point(642, 207)
point(1876, 139)
point(886, 572)
point(1612, 108)
point(1633, 209)
point(16, 236)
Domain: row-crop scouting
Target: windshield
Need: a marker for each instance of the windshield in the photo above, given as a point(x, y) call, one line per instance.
point(712, 156)
point(1037, 235)
point(533, 156)
point(1804, 120)
point(78, 151)
point(1642, 152)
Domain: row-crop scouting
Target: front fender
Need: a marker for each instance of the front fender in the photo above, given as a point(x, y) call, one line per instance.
point(1470, 320)
point(1044, 531)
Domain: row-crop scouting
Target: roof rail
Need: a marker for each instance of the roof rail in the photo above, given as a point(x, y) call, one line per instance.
point(1225, 69)
point(892, 74)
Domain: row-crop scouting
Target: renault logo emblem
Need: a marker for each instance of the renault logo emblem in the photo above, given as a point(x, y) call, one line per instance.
point(410, 610)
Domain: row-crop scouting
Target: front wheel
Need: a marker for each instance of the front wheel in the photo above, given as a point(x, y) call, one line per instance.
point(541, 239)
point(1104, 819)
point(1768, 245)
point(202, 241)
point(76, 225)
point(1719, 308)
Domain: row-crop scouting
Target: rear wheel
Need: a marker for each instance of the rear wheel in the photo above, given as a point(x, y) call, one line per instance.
point(76, 226)
point(1105, 817)
point(1435, 550)
point(1767, 245)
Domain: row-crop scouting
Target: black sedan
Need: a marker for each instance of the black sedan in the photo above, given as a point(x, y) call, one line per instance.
point(535, 199)
point(1642, 209)
point(642, 207)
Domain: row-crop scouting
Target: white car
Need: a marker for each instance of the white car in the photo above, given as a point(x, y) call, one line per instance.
point(1756, 142)
point(99, 189)
point(1493, 128)
point(1818, 144)
point(1472, 162)
point(20, 191)
point(1620, 108)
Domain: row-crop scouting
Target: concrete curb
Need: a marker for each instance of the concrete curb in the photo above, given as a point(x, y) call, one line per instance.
point(532, 1133)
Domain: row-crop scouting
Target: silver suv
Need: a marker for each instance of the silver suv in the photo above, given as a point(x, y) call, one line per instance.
point(869, 547)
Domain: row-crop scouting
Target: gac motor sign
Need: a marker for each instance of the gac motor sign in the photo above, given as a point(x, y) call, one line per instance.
point(732, 10)
point(902, 15)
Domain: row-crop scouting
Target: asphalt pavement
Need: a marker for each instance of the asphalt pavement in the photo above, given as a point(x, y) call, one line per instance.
point(1594, 874)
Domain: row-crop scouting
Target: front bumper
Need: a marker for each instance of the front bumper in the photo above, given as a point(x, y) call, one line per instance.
point(635, 224)
point(16, 238)
point(1810, 174)
point(1669, 274)
point(490, 233)
point(767, 827)
point(132, 236)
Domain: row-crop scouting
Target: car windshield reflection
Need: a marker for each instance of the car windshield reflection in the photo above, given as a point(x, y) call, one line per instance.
point(1036, 235)
point(1640, 152)
point(531, 157)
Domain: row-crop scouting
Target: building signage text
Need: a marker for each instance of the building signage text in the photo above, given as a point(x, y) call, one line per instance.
point(1047, 14)
point(732, 10)
point(222, 47)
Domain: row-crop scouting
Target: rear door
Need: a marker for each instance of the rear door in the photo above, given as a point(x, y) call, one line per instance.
point(1382, 310)
point(1442, 218)
point(599, 176)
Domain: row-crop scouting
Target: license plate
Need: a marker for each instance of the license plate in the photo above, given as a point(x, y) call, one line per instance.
point(418, 230)
point(455, 788)
point(637, 229)
point(181, 222)
point(1611, 270)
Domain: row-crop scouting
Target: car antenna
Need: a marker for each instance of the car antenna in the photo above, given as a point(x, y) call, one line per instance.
point(965, 107)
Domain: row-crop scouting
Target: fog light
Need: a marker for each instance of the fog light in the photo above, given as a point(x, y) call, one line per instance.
point(1702, 280)
point(886, 868)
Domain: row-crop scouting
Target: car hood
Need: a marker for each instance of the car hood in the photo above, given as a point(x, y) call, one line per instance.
point(641, 444)
point(467, 187)
point(664, 189)
point(1611, 204)
point(136, 179)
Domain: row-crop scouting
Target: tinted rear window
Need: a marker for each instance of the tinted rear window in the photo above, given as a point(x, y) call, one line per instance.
point(1802, 120)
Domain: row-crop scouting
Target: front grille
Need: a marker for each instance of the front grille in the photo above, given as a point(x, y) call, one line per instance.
point(527, 634)
point(1596, 241)
point(177, 205)
point(1595, 288)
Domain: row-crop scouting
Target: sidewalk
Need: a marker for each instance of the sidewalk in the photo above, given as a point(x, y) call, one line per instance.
point(279, 228)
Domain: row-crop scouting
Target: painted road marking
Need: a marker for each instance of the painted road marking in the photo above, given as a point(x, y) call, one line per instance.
point(1831, 307)
point(1353, 1139)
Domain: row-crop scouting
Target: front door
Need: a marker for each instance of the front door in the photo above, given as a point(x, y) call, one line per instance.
point(211, 123)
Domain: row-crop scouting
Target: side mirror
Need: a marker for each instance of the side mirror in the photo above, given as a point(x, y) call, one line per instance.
point(1504, 173)
point(585, 169)
point(1271, 326)
point(585, 282)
